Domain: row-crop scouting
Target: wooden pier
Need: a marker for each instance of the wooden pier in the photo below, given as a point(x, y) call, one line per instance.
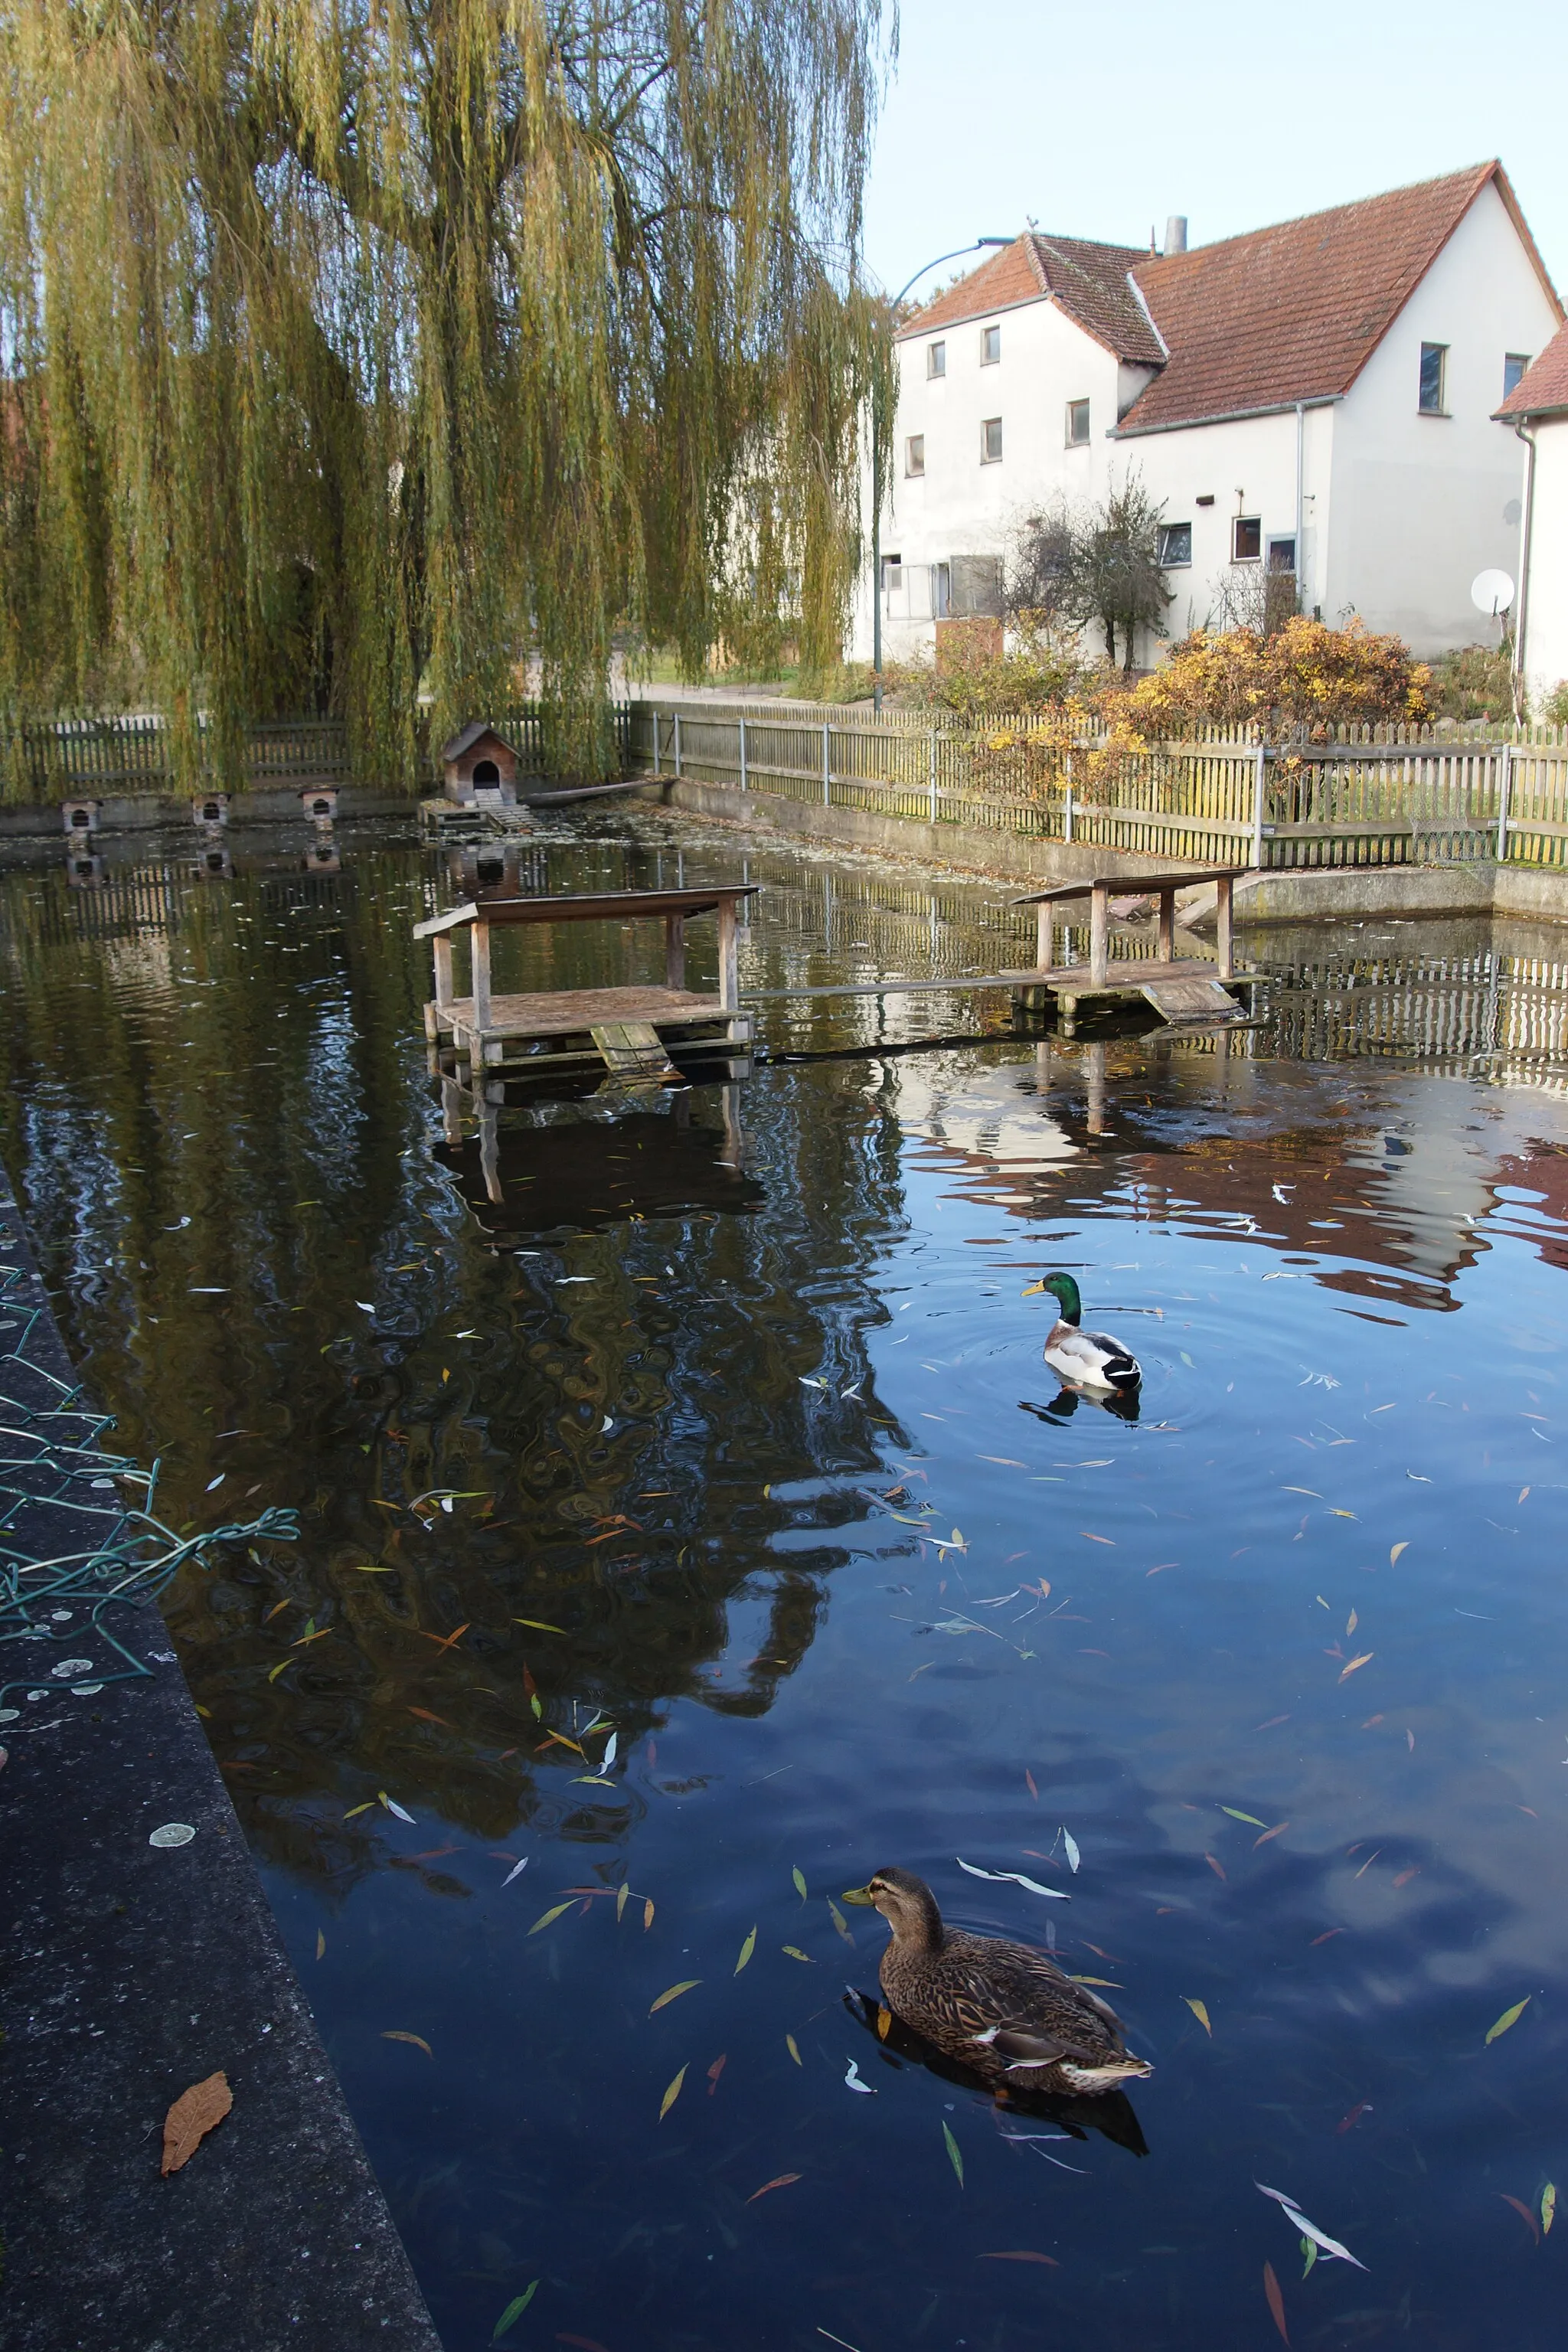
point(1182, 988)
point(628, 1029)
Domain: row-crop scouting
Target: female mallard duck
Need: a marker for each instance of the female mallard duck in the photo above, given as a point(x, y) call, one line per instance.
point(1003, 2009)
point(1089, 1359)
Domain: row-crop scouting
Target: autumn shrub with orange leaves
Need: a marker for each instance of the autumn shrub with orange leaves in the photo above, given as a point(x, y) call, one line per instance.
point(1297, 685)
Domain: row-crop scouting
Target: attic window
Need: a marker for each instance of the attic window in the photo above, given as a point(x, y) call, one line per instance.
point(1246, 539)
point(1513, 367)
point(989, 346)
point(1434, 368)
point(936, 359)
point(1078, 424)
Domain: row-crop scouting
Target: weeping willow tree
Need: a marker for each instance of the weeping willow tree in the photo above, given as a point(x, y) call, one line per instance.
point(357, 348)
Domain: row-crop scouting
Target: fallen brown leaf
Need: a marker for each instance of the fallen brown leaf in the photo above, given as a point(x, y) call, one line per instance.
point(190, 2117)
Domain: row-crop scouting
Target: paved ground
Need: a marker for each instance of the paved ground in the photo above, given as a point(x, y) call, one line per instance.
point(134, 1971)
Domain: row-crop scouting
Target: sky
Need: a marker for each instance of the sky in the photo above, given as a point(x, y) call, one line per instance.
point(1098, 122)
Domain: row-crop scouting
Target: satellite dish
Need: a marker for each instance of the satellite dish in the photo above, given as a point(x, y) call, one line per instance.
point(1491, 593)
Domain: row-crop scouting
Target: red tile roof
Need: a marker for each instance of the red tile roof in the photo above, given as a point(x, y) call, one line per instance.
point(1260, 321)
point(1295, 312)
point(1092, 283)
point(1544, 387)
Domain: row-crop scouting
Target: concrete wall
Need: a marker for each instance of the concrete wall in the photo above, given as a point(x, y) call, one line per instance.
point(1424, 503)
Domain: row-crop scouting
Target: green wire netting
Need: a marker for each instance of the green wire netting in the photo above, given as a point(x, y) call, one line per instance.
point(79, 1539)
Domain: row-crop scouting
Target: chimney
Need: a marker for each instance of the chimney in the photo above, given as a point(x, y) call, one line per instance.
point(1176, 233)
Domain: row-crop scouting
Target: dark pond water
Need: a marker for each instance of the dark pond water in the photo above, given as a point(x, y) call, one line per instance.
point(700, 1529)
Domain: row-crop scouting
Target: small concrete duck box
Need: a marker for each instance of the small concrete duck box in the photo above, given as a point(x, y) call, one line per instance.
point(209, 809)
point(81, 816)
point(479, 766)
point(320, 803)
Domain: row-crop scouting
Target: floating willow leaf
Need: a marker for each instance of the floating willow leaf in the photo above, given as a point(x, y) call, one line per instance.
point(547, 1918)
point(673, 2093)
point(688, 1984)
point(514, 2310)
point(747, 1948)
point(954, 2154)
point(351, 348)
point(1510, 2017)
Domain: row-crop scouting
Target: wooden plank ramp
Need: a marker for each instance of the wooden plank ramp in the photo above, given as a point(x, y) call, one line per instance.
point(634, 1053)
point(1188, 998)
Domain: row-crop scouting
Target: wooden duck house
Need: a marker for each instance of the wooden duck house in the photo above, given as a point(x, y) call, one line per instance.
point(479, 767)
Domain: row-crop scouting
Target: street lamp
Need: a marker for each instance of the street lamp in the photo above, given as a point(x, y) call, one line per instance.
point(877, 470)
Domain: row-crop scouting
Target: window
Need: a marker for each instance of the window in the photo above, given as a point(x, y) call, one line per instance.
point(1434, 367)
point(915, 453)
point(1078, 424)
point(1176, 544)
point(1282, 555)
point(989, 346)
point(941, 591)
point(936, 359)
point(991, 441)
point(1513, 367)
point(1246, 540)
point(892, 575)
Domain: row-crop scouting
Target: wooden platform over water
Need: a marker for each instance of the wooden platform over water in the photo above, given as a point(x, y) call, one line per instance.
point(622, 1027)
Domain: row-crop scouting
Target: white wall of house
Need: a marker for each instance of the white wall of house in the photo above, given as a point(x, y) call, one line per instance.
point(964, 504)
point(1422, 503)
point(1397, 510)
point(1546, 612)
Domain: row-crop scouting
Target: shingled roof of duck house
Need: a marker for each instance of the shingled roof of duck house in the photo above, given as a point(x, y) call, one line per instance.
point(479, 763)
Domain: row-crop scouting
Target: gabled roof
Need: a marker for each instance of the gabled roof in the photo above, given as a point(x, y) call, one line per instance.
point(1294, 313)
point(1092, 283)
point(1542, 390)
point(471, 735)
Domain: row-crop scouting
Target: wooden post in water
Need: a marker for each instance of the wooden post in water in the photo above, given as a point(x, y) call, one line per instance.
point(728, 957)
point(1166, 935)
point(1225, 932)
point(480, 935)
point(675, 951)
point(1043, 936)
point(441, 956)
point(1099, 933)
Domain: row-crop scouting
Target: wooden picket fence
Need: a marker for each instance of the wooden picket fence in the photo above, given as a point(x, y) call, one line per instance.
point(1367, 796)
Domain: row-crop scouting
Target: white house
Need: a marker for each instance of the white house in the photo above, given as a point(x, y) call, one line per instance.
point(1537, 409)
point(1318, 398)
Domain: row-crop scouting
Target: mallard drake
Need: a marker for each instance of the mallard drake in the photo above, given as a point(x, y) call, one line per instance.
point(1004, 2008)
point(1089, 1359)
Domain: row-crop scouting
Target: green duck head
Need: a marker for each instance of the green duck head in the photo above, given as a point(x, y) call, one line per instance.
point(1064, 1289)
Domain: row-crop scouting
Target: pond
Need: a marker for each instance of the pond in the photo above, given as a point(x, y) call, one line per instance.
point(699, 1529)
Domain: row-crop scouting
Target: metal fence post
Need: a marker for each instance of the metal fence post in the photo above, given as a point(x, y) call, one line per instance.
point(1066, 814)
point(742, 755)
point(826, 764)
point(675, 722)
point(1259, 790)
point(1505, 799)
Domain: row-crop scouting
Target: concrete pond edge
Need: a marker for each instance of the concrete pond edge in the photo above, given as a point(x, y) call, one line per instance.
point(135, 1971)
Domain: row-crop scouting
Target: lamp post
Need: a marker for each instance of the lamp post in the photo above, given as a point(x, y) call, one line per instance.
point(876, 471)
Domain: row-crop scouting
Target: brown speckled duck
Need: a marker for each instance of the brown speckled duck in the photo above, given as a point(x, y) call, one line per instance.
point(1003, 2009)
